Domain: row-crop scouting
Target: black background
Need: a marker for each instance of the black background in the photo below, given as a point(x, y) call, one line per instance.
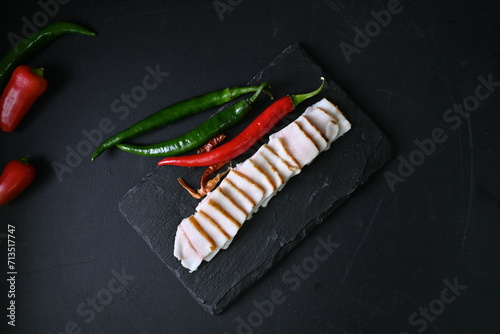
point(397, 248)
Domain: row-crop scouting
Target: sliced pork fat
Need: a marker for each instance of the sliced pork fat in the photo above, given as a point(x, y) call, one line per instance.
point(316, 135)
point(324, 122)
point(253, 182)
point(184, 251)
point(300, 145)
point(279, 148)
point(282, 167)
point(344, 124)
point(256, 174)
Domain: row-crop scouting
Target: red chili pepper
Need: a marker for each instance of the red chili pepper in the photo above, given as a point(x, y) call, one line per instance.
point(22, 90)
point(261, 125)
point(15, 178)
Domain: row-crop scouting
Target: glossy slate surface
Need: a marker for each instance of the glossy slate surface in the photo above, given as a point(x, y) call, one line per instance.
point(157, 205)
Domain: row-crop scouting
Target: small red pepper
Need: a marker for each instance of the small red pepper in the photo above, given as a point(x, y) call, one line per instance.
point(261, 125)
point(23, 89)
point(15, 178)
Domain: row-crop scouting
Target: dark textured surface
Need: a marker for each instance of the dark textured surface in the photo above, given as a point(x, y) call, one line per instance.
point(157, 205)
point(396, 247)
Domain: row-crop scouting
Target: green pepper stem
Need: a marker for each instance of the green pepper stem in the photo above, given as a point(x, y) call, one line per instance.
point(38, 71)
point(25, 160)
point(252, 98)
point(244, 90)
point(296, 99)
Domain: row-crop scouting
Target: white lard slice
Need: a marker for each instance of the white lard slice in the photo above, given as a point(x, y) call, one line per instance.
point(214, 230)
point(244, 201)
point(254, 172)
point(344, 124)
point(198, 237)
point(300, 145)
point(226, 203)
point(271, 172)
point(185, 252)
point(251, 189)
point(316, 135)
point(255, 181)
point(284, 169)
point(324, 122)
point(279, 148)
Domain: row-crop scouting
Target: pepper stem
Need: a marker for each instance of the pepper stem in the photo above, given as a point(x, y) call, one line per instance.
point(244, 90)
point(25, 160)
point(252, 98)
point(296, 99)
point(38, 71)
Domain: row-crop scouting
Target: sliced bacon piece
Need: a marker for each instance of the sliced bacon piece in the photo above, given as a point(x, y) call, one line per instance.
point(284, 169)
point(300, 145)
point(197, 236)
point(239, 196)
point(279, 148)
point(271, 172)
point(256, 174)
point(185, 252)
point(324, 122)
point(316, 135)
point(252, 183)
point(344, 124)
point(253, 190)
point(215, 231)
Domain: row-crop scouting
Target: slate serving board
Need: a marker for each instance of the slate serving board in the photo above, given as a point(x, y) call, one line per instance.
point(157, 204)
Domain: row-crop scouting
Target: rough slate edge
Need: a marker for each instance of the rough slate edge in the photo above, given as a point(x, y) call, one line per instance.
point(157, 227)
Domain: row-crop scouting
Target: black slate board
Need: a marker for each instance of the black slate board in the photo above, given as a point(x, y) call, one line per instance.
point(157, 204)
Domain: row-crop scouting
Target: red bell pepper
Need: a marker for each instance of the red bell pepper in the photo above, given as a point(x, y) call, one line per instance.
point(15, 178)
point(261, 125)
point(23, 89)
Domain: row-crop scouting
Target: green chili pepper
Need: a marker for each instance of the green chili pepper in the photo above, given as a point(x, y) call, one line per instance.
point(200, 135)
point(30, 45)
point(174, 113)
